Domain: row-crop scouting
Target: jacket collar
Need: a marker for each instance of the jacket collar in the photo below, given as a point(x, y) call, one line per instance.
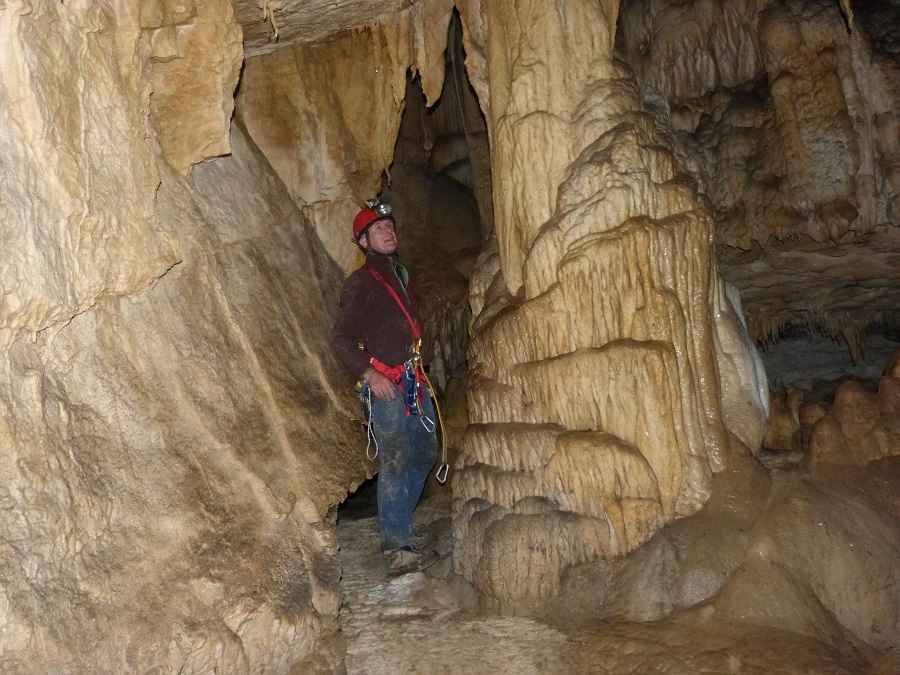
point(381, 262)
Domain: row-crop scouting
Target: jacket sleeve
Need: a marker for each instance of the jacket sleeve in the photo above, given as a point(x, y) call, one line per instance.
point(346, 334)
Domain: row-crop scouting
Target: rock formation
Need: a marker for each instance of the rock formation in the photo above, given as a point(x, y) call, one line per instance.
point(176, 434)
point(860, 427)
point(166, 485)
point(791, 116)
point(607, 362)
point(327, 115)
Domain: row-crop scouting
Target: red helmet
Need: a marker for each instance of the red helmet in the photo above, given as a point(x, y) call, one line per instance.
point(375, 210)
point(362, 221)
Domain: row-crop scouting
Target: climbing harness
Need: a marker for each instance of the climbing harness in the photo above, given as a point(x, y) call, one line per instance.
point(415, 372)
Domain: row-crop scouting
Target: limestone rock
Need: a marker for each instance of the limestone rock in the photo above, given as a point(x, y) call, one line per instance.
point(270, 24)
point(605, 354)
point(687, 50)
point(859, 427)
point(167, 492)
point(789, 112)
point(327, 115)
point(802, 554)
point(195, 58)
point(822, 563)
point(75, 227)
point(784, 420)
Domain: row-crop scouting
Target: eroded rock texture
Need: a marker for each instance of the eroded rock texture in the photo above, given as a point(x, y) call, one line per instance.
point(804, 563)
point(607, 364)
point(327, 115)
point(171, 442)
point(860, 427)
point(792, 119)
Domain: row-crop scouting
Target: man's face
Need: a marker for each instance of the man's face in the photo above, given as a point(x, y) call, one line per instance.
point(381, 237)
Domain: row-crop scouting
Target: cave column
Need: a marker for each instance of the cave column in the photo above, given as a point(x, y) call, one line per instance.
point(541, 59)
point(602, 333)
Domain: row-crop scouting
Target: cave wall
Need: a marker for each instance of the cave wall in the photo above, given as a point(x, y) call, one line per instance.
point(173, 435)
point(789, 112)
point(167, 489)
point(327, 115)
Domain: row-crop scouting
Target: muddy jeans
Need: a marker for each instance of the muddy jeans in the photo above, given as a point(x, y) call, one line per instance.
point(406, 452)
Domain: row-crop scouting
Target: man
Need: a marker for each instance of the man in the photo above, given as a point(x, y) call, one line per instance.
point(375, 335)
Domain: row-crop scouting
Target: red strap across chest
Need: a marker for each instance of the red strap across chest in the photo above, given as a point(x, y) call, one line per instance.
point(412, 324)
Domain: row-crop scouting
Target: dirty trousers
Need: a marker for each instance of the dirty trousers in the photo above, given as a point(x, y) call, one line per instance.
point(406, 452)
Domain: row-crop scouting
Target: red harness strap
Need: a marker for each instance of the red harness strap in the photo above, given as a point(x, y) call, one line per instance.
point(417, 334)
point(395, 373)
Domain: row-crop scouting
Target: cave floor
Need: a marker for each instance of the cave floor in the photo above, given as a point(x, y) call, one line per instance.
point(429, 622)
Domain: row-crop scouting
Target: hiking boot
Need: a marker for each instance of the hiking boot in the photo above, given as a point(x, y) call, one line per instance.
point(406, 559)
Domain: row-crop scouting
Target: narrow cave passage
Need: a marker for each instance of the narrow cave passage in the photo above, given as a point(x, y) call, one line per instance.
point(428, 621)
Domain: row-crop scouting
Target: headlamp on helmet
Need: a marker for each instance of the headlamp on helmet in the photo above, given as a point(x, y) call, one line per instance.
point(375, 210)
point(380, 208)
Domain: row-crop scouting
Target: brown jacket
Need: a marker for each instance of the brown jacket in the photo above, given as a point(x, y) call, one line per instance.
point(369, 321)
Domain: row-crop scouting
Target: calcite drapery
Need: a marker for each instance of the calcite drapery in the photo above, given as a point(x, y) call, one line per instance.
point(598, 403)
point(191, 115)
point(791, 117)
point(327, 115)
point(74, 227)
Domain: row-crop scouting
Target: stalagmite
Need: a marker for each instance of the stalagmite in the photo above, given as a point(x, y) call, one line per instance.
point(612, 335)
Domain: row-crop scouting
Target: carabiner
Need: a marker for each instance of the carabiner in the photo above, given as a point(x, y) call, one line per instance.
point(442, 472)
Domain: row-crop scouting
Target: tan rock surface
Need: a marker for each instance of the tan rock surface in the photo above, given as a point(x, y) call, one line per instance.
point(802, 554)
point(791, 122)
point(195, 58)
point(173, 436)
point(166, 488)
point(74, 227)
point(327, 115)
point(859, 427)
point(605, 355)
point(784, 419)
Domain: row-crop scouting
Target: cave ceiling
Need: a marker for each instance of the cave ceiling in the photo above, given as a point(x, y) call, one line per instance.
point(304, 20)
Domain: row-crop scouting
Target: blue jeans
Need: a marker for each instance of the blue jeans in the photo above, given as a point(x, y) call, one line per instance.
point(407, 451)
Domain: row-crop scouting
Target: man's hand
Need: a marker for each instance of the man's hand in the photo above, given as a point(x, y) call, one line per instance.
point(381, 386)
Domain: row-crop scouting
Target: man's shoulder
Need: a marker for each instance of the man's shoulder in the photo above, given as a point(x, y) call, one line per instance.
point(358, 280)
point(359, 275)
